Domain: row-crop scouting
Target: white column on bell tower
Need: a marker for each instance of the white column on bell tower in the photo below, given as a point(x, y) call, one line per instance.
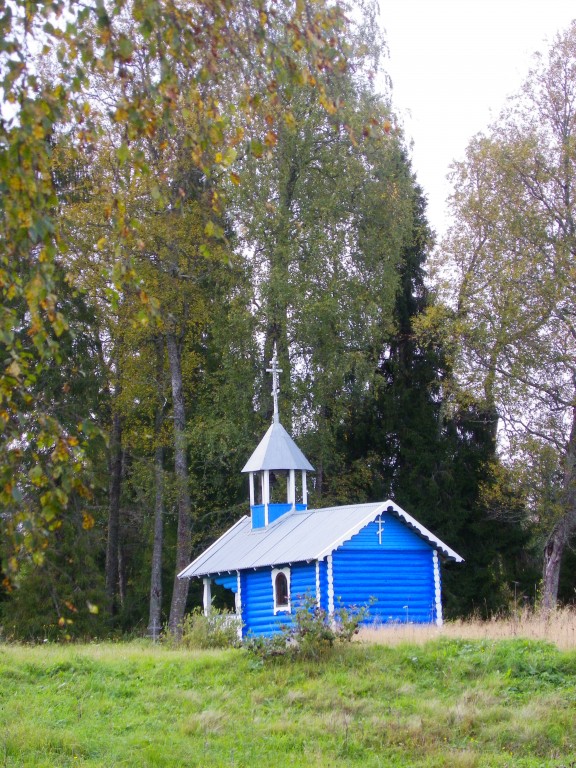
point(292, 487)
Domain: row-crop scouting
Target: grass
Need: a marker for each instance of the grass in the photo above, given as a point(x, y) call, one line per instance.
point(559, 627)
point(443, 703)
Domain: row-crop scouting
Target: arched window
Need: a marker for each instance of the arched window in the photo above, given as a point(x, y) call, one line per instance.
point(281, 588)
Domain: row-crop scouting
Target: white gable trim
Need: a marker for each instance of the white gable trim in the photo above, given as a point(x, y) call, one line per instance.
point(374, 513)
point(424, 532)
point(352, 531)
point(299, 536)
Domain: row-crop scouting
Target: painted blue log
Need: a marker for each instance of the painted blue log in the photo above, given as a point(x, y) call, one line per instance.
point(399, 586)
point(258, 598)
point(302, 583)
point(395, 535)
point(228, 581)
point(323, 565)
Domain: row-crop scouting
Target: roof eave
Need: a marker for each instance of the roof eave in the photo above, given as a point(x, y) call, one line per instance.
point(188, 572)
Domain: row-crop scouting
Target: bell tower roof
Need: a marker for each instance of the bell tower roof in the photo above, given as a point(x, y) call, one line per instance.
point(277, 450)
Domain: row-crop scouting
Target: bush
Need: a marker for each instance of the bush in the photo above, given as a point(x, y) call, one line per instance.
point(312, 633)
point(220, 629)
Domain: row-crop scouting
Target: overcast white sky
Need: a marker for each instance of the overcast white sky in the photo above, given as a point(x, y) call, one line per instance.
point(453, 63)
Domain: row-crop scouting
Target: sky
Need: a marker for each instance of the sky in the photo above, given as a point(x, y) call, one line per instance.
point(453, 63)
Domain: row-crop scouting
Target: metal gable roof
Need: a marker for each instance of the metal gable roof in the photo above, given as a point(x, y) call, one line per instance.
point(277, 450)
point(297, 537)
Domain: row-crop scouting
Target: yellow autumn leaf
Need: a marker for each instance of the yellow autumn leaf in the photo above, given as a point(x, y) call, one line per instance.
point(13, 369)
point(88, 521)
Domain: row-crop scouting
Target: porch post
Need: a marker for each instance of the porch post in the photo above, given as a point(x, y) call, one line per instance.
point(207, 595)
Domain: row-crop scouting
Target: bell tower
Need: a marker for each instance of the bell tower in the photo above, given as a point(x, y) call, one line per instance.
point(277, 468)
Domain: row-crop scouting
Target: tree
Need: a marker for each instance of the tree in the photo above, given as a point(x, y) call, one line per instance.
point(399, 440)
point(509, 284)
point(60, 588)
point(194, 49)
point(323, 219)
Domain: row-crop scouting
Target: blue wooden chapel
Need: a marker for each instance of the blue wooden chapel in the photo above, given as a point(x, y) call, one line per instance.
point(355, 554)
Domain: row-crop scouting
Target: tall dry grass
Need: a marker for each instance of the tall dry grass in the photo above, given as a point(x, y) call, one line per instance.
point(558, 627)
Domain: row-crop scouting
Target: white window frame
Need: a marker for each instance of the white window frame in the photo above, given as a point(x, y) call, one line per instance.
point(281, 608)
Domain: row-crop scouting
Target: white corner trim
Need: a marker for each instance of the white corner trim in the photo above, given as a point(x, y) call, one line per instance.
point(330, 586)
point(437, 589)
point(318, 595)
point(238, 600)
point(281, 608)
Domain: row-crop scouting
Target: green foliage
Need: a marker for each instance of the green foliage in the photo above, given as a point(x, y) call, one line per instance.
point(117, 75)
point(312, 633)
point(199, 632)
point(402, 438)
point(325, 218)
point(61, 599)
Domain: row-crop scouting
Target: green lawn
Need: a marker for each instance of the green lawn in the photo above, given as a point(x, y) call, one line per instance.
point(447, 703)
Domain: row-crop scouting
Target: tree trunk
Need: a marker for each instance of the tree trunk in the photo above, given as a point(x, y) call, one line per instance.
point(278, 297)
point(155, 619)
point(113, 541)
point(183, 536)
point(122, 573)
point(564, 528)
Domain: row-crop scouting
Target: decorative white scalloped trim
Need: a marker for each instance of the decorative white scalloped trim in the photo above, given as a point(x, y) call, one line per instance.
point(373, 514)
point(330, 586)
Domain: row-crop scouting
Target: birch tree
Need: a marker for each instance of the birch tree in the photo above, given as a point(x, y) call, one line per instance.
point(324, 218)
point(509, 267)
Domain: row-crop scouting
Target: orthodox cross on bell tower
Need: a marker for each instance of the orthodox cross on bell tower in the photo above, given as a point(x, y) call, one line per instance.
point(274, 370)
